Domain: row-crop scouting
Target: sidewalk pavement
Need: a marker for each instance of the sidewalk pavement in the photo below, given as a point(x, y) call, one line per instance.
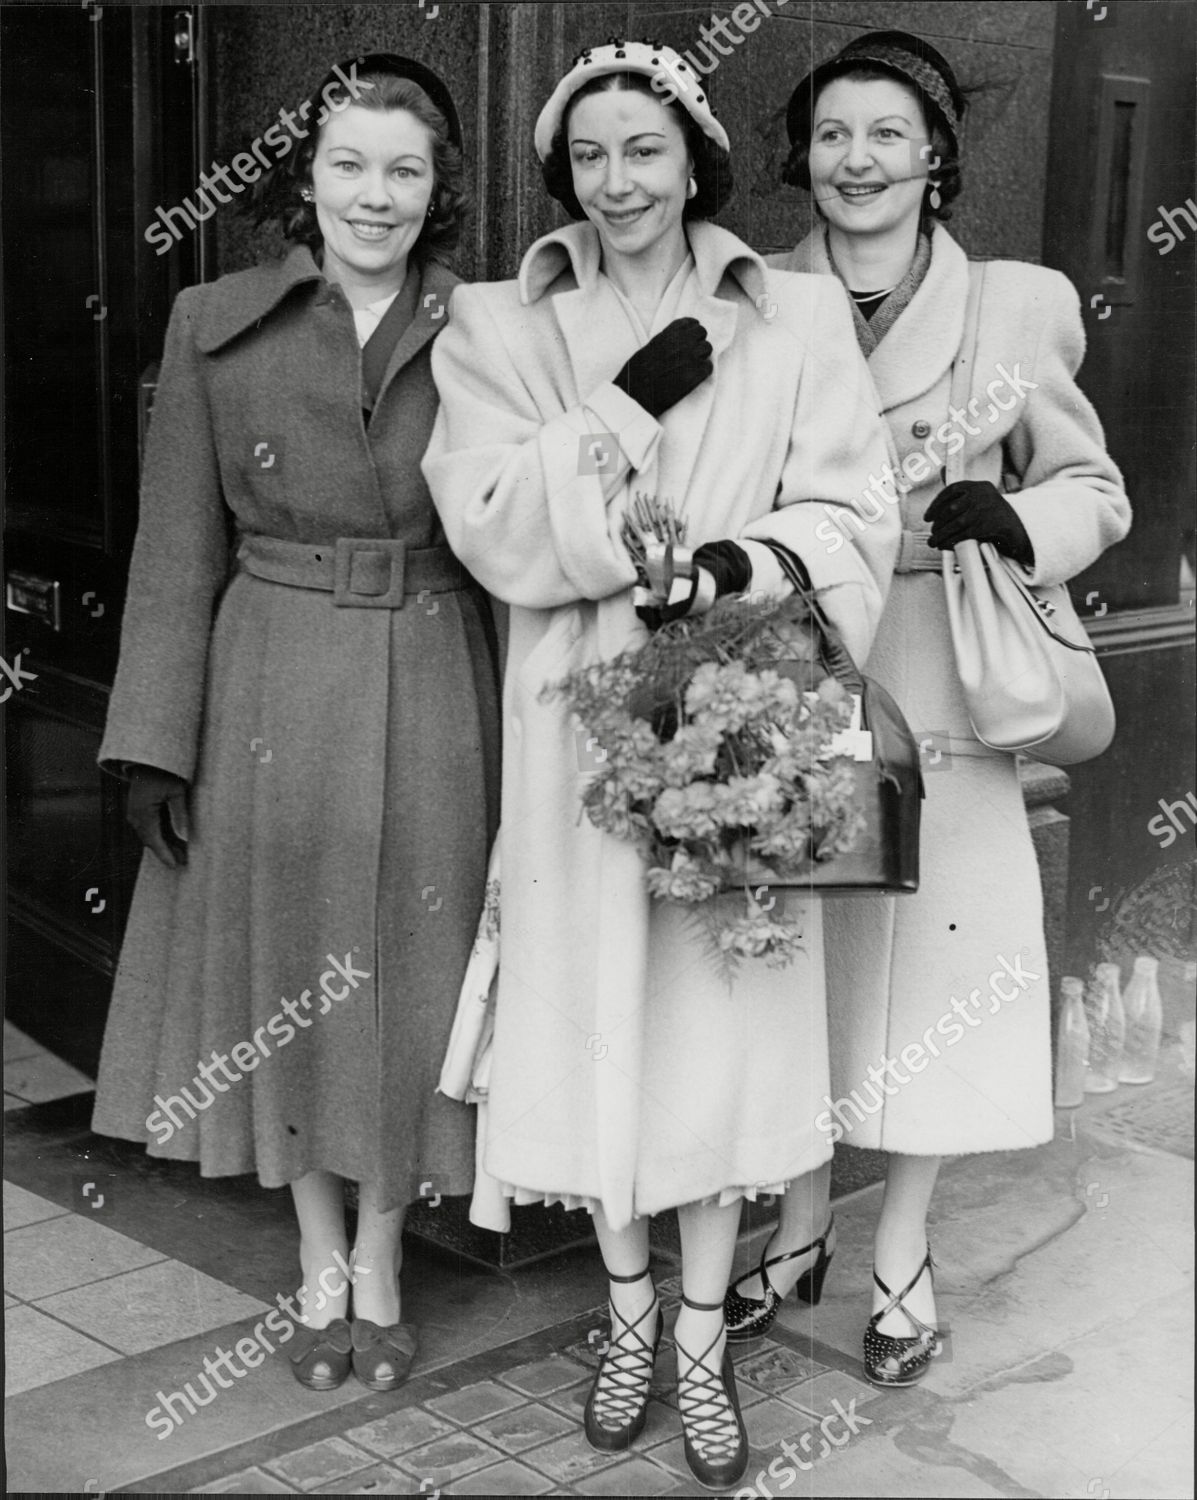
point(1064, 1274)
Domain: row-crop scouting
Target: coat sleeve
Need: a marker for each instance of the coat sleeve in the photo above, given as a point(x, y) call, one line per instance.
point(179, 564)
point(527, 503)
point(836, 507)
point(1070, 494)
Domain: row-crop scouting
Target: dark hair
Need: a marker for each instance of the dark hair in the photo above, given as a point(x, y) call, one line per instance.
point(276, 194)
point(942, 134)
point(712, 164)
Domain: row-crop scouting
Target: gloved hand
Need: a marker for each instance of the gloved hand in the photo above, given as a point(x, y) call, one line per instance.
point(726, 562)
point(670, 366)
point(157, 809)
point(973, 510)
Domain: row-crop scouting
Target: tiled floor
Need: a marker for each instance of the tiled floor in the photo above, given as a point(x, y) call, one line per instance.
point(1056, 1268)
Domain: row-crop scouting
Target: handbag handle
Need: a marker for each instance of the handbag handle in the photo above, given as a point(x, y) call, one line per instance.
point(834, 657)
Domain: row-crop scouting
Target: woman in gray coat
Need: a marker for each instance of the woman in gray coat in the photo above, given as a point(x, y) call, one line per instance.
point(938, 1003)
point(306, 710)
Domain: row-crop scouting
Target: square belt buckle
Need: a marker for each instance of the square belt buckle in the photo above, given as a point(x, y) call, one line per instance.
point(368, 574)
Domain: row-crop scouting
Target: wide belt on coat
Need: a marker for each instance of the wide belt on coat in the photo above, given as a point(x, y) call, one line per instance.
point(915, 556)
point(359, 572)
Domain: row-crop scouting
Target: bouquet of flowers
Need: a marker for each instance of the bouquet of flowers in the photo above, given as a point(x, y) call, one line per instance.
point(717, 748)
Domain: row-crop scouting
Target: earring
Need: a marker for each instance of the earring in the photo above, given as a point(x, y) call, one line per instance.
point(307, 195)
point(935, 199)
point(692, 189)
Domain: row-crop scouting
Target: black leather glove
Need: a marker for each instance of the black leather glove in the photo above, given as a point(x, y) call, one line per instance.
point(973, 510)
point(727, 563)
point(157, 809)
point(670, 366)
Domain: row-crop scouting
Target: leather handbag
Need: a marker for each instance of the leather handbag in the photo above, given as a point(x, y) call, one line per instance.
point(889, 781)
point(1030, 674)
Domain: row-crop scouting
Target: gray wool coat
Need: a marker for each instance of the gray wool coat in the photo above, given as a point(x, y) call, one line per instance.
point(342, 760)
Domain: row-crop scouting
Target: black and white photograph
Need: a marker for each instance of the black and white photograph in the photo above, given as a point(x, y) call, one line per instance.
point(600, 747)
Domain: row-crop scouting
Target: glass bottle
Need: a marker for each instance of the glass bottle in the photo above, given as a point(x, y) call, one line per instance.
point(1107, 1029)
point(1072, 1045)
point(1144, 1019)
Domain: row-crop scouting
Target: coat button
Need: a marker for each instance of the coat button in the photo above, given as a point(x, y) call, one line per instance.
point(921, 429)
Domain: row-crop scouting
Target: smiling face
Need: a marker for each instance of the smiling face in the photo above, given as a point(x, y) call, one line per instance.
point(864, 151)
point(373, 180)
point(631, 169)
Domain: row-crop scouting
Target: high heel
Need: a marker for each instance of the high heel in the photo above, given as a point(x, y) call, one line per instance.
point(912, 1354)
point(713, 1436)
point(321, 1357)
point(750, 1317)
point(617, 1407)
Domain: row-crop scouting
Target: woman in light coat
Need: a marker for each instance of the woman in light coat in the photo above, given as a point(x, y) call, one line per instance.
point(310, 726)
point(939, 1002)
point(643, 349)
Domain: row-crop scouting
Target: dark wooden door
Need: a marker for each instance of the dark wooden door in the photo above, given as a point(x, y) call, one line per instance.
point(1121, 221)
point(99, 125)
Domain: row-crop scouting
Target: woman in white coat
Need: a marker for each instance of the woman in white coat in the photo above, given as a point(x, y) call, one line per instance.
point(644, 349)
point(939, 1002)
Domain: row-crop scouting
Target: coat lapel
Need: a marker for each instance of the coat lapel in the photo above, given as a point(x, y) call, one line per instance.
point(237, 303)
point(431, 315)
point(917, 352)
point(726, 271)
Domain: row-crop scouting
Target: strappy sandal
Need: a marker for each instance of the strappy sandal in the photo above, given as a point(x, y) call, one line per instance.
point(749, 1317)
point(713, 1435)
point(912, 1354)
point(617, 1407)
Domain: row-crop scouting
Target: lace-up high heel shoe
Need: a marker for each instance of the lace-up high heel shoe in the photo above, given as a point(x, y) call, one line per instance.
point(910, 1355)
point(617, 1406)
point(713, 1435)
point(750, 1317)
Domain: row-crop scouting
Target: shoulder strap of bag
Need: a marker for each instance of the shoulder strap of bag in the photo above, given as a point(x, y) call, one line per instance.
point(962, 369)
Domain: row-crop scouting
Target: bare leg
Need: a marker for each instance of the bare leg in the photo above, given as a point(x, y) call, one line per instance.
point(708, 1248)
point(377, 1258)
point(625, 1253)
point(320, 1207)
point(805, 1209)
point(901, 1240)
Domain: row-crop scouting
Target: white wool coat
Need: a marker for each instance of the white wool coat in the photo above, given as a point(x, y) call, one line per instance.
point(952, 984)
point(626, 1072)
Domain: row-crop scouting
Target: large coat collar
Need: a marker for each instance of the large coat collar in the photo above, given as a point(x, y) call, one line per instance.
point(919, 349)
point(716, 253)
point(244, 300)
point(567, 263)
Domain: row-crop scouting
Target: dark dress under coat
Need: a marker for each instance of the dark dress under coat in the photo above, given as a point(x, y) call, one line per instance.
point(343, 760)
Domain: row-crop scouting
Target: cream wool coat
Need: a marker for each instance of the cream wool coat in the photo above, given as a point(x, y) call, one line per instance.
point(977, 1076)
point(625, 1071)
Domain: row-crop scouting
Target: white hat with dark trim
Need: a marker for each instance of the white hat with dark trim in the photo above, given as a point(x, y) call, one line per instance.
point(672, 78)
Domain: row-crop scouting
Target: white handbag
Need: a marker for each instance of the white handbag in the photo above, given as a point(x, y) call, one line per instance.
point(1031, 679)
